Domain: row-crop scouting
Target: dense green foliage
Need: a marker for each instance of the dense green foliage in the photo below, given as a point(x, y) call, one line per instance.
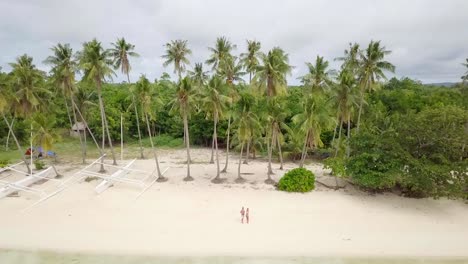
point(297, 180)
point(382, 135)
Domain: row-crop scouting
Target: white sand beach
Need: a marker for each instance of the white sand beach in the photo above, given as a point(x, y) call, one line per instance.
point(199, 218)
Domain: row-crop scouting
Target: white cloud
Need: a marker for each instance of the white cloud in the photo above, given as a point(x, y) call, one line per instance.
point(428, 38)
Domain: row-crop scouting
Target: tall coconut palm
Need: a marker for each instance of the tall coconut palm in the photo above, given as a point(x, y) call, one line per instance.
point(120, 54)
point(318, 77)
point(198, 75)
point(221, 51)
point(270, 76)
point(63, 72)
point(351, 58)
point(27, 84)
point(146, 97)
point(214, 102)
point(250, 59)
point(371, 70)
point(315, 118)
point(183, 103)
point(277, 113)
point(344, 96)
point(231, 70)
point(96, 64)
point(83, 100)
point(177, 52)
point(247, 124)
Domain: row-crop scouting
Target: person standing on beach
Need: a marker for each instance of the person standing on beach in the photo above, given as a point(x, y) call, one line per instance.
point(242, 212)
point(246, 215)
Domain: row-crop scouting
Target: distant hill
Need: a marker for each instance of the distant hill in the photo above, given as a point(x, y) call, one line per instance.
point(445, 84)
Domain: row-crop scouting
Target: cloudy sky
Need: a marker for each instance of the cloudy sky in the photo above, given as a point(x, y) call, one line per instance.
point(428, 38)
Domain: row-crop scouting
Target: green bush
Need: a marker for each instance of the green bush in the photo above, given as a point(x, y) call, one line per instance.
point(39, 164)
point(297, 180)
point(4, 163)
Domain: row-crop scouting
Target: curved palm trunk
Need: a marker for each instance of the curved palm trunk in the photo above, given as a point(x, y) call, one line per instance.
point(212, 147)
point(280, 152)
point(246, 161)
point(68, 111)
point(160, 178)
point(339, 137)
point(79, 131)
point(137, 120)
point(239, 177)
point(217, 179)
point(348, 149)
point(17, 142)
point(105, 124)
point(227, 146)
point(304, 150)
point(101, 151)
point(187, 144)
point(7, 144)
point(270, 151)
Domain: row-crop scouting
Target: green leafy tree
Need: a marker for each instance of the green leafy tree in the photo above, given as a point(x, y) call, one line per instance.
point(270, 77)
point(198, 75)
point(315, 118)
point(45, 134)
point(96, 64)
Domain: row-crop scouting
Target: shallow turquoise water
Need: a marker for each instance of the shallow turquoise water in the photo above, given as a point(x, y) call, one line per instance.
point(29, 257)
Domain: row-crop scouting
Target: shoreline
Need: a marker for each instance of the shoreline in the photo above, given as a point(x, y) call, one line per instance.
point(200, 218)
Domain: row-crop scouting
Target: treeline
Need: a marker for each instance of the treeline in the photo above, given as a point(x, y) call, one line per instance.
point(381, 135)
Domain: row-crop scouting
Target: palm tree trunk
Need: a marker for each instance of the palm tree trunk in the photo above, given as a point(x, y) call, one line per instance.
point(10, 127)
point(348, 149)
point(270, 151)
point(160, 178)
point(280, 152)
point(246, 161)
point(7, 145)
point(106, 125)
point(68, 111)
point(138, 121)
point(187, 144)
point(304, 150)
point(217, 179)
point(101, 151)
point(339, 137)
point(213, 147)
point(269, 180)
point(334, 134)
point(79, 131)
point(227, 146)
point(239, 177)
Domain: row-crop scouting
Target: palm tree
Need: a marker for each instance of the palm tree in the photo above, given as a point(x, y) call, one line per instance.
point(270, 76)
point(371, 70)
point(465, 77)
point(247, 124)
point(351, 58)
point(183, 102)
point(83, 99)
point(146, 97)
point(176, 53)
point(63, 72)
point(198, 76)
point(277, 113)
point(96, 65)
point(250, 59)
point(221, 51)
point(120, 52)
point(318, 78)
point(215, 103)
point(345, 99)
point(28, 91)
point(314, 119)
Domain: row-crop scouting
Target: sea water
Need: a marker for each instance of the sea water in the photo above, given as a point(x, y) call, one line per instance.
point(31, 257)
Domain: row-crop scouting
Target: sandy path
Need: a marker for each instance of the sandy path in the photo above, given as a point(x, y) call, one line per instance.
point(202, 219)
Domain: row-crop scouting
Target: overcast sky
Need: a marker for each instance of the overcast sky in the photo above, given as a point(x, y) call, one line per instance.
point(428, 38)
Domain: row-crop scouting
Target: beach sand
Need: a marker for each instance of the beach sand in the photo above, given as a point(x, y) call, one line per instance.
point(199, 218)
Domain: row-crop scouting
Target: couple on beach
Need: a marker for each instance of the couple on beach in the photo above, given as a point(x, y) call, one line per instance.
point(244, 213)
